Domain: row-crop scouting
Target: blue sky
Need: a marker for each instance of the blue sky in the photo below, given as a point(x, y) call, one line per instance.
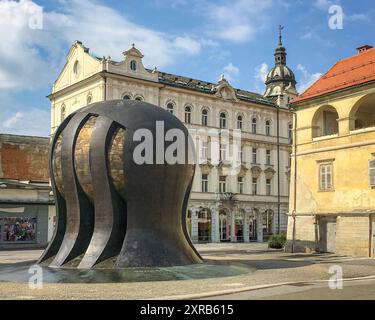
point(195, 38)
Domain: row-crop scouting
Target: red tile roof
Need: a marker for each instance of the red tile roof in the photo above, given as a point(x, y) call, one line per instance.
point(346, 73)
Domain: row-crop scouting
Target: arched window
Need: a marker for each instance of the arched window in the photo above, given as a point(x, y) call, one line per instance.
point(89, 99)
point(254, 126)
point(133, 65)
point(204, 117)
point(268, 127)
point(170, 107)
point(239, 122)
point(223, 120)
point(63, 112)
point(76, 67)
point(187, 114)
point(126, 97)
point(138, 98)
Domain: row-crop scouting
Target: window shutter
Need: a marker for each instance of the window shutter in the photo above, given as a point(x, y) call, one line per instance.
point(372, 173)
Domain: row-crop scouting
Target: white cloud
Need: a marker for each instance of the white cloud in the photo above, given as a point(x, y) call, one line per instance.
point(324, 4)
point(230, 68)
point(237, 20)
point(261, 72)
point(230, 72)
point(12, 121)
point(307, 78)
point(34, 122)
point(314, 34)
point(357, 17)
point(188, 44)
point(29, 54)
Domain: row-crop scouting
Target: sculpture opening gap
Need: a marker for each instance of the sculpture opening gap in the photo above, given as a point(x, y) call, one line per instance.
point(111, 211)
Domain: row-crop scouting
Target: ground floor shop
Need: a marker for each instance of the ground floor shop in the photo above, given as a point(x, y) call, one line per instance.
point(210, 223)
point(24, 226)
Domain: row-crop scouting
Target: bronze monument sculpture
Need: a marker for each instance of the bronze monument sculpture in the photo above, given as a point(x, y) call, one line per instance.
point(111, 211)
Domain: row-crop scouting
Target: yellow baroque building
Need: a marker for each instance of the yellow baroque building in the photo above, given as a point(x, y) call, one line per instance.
point(332, 194)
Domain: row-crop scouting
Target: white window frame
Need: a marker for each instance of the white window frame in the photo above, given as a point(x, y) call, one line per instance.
point(268, 127)
point(240, 185)
point(222, 184)
point(205, 118)
point(188, 111)
point(254, 126)
point(255, 186)
point(268, 157)
point(254, 155)
point(223, 120)
point(170, 110)
point(326, 176)
point(371, 168)
point(268, 187)
point(204, 186)
point(204, 151)
point(240, 122)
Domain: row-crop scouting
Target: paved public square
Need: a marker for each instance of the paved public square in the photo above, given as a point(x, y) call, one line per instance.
point(230, 271)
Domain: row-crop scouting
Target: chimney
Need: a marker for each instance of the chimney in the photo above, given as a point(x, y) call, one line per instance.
point(363, 49)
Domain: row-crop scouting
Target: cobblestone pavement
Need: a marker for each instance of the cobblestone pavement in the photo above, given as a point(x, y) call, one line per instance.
point(228, 268)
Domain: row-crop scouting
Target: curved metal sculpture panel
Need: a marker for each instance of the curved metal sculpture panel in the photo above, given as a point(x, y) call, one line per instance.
point(113, 212)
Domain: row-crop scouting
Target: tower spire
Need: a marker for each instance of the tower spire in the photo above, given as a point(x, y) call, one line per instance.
point(281, 28)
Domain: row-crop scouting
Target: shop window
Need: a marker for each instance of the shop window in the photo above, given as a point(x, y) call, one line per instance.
point(18, 229)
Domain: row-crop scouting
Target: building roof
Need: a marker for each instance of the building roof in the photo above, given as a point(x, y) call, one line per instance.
point(346, 73)
point(209, 87)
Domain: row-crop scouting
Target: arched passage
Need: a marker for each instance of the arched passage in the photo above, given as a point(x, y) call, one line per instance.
point(362, 114)
point(204, 225)
point(267, 223)
point(224, 225)
point(253, 225)
point(239, 225)
point(324, 122)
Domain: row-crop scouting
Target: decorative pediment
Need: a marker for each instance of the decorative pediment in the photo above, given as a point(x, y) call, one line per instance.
point(206, 167)
point(243, 170)
point(256, 171)
point(134, 52)
point(270, 172)
point(224, 90)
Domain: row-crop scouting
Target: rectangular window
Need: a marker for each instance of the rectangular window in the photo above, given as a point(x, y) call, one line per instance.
point(268, 157)
point(223, 184)
point(255, 186)
point(18, 229)
point(254, 158)
point(326, 177)
point(204, 148)
point(204, 182)
point(240, 185)
point(223, 152)
point(268, 187)
point(372, 173)
point(240, 155)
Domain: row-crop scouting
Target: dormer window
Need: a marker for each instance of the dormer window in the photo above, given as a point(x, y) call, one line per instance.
point(133, 65)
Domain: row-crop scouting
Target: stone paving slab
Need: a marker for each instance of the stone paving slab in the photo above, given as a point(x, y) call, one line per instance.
point(227, 267)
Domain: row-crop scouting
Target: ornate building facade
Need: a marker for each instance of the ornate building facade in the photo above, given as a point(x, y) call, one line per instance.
point(247, 207)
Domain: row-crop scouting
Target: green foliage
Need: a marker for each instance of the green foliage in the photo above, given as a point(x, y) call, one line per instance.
point(277, 241)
